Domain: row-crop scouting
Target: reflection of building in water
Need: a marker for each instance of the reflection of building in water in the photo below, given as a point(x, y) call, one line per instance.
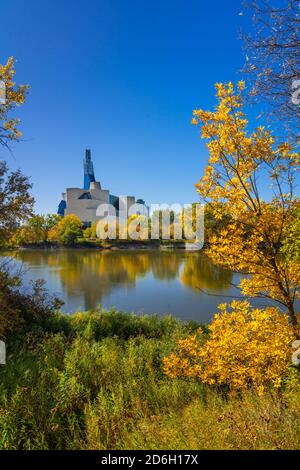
point(84, 202)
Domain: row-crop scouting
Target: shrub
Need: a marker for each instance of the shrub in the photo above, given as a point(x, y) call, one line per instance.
point(19, 309)
point(246, 347)
point(123, 325)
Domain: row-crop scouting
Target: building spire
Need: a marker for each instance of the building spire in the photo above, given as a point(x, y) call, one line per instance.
point(88, 170)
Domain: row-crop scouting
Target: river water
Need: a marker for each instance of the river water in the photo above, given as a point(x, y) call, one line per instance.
point(185, 284)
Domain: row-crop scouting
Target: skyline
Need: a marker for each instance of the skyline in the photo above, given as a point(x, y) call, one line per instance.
point(123, 82)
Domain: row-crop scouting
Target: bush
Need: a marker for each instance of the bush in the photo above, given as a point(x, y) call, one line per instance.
point(110, 323)
point(245, 347)
point(19, 309)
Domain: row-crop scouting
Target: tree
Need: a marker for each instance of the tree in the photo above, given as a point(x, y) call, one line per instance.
point(16, 203)
point(212, 225)
point(90, 232)
point(138, 227)
point(50, 220)
point(14, 96)
point(17, 309)
point(36, 229)
point(273, 60)
point(67, 230)
point(251, 242)
point(162, 221)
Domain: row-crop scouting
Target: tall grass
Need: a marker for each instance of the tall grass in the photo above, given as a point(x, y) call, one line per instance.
point(94, 381)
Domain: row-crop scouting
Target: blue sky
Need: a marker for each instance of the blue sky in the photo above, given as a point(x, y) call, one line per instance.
point(120, 77)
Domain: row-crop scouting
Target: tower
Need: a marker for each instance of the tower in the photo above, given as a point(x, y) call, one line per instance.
point(88, 170)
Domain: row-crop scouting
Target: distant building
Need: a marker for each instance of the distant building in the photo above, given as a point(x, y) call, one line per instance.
point(85, 201)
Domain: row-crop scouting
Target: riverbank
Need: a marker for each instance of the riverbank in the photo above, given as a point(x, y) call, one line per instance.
point(108, 245)
point(94, 380)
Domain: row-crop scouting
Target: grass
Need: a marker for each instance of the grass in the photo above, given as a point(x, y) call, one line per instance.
point(94, 381)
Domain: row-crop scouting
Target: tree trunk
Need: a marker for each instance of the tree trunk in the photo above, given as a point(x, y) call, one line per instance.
point(293, 318)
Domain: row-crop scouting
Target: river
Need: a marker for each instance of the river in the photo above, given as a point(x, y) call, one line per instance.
point(185, 284)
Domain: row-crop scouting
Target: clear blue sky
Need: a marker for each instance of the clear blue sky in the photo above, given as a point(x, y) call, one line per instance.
point(120, 77)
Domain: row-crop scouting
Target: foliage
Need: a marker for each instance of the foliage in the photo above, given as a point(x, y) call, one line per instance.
point(291, 238)
point(138, 227)
point(161, 224)
point(245, 347)
point(50, 220)
point(14, 96)
point(67, 230)
point(135, 228)
point(95, 381)
point(212, 223)
point(16, 203)
point(108, 229)
point(35, 230)
point(90, 232)
point(74, 388)
point(105, 323)
point(251, 241)
point(18, 308)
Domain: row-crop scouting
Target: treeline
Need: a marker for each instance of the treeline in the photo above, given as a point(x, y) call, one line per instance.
point(53, 229)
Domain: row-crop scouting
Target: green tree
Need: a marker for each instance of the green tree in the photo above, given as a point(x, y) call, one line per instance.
point(50, 220)
point(36, 229)
point(67, 230)
point(16, 203)
point(90, 232)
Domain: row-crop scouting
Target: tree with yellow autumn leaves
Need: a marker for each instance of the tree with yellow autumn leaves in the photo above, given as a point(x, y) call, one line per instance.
point(259, 239)
point(240, 165)
point(13, 96)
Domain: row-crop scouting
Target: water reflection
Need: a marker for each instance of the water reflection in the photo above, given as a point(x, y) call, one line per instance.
point(151, 281)
point(200, 273)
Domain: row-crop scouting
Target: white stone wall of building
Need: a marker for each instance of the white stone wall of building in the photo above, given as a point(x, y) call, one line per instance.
point(85, 209)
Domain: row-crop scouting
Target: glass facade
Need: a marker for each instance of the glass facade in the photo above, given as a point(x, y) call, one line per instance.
point(88, 168)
